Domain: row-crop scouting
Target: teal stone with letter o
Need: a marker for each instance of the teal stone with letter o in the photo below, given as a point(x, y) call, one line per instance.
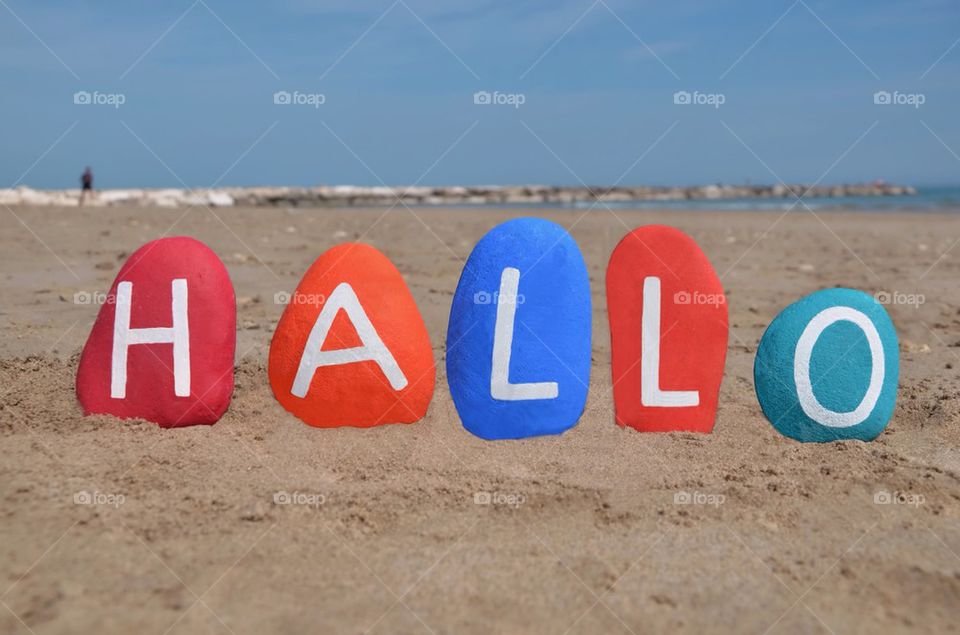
point(827, 367)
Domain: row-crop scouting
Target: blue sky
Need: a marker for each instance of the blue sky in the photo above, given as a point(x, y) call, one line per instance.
point(596, 78)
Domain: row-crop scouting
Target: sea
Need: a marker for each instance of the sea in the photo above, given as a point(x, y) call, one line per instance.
point(927, 199)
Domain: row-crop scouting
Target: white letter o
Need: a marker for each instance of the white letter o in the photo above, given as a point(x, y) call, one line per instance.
point(801, 368)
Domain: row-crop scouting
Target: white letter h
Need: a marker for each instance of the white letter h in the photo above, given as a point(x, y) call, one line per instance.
point(124, 337)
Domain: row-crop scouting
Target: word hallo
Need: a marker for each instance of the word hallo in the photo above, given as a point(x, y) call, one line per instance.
point(518, 345)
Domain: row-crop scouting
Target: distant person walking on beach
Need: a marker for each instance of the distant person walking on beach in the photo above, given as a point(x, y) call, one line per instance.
point(86, 182)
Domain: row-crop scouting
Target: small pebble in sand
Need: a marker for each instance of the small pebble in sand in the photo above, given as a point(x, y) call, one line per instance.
point(914, 347)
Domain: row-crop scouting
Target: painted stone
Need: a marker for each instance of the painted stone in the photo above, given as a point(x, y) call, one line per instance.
point(351, 348)
point(827, 367)
point(518, 340)
point(162, 347)
point(668, 331)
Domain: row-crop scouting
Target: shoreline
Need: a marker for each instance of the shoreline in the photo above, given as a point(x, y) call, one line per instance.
point(360, 196)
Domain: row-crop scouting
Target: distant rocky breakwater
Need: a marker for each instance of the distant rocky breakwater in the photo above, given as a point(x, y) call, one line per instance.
point(349, 195)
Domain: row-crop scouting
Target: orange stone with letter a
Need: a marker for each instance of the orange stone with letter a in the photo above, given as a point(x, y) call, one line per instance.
point(351, 348)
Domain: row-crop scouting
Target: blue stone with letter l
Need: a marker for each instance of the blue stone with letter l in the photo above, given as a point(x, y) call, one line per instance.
point(518, 340)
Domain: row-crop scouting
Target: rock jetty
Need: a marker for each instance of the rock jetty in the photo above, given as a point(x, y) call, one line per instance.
point(351, 195)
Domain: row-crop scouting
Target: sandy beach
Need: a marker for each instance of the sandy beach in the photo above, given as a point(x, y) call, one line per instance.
point(383, 534)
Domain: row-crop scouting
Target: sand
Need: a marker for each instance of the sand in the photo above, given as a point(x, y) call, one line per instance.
point(385, 536)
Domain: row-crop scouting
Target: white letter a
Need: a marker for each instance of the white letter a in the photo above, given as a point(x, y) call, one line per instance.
point(373, 349)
